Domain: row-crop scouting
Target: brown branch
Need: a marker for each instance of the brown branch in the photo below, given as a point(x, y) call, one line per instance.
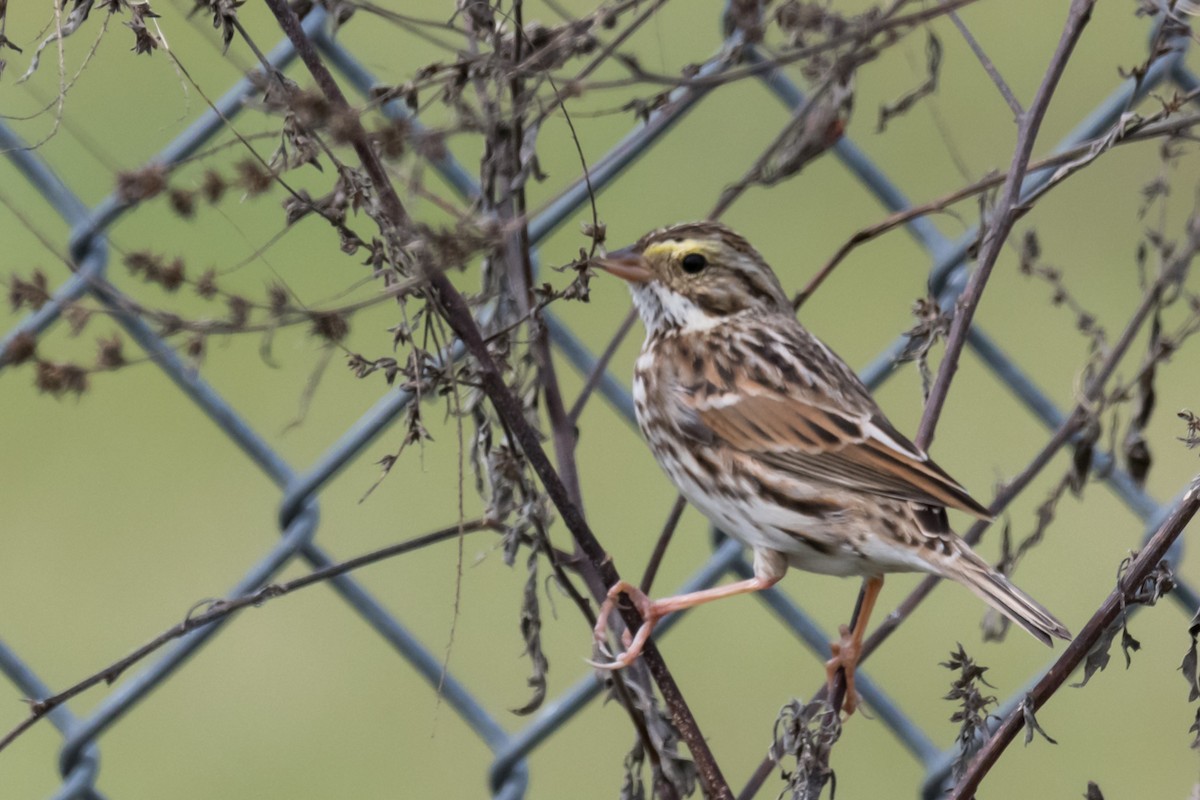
point(457, 314)
point(1151, 128)
point(217, 610)
point(660, 547)
point(1149, 557)
point(393, 210)
point(510, 206)
point(889, 26)
point(1070, 426)
point(1003, 216)
point(1074, 422)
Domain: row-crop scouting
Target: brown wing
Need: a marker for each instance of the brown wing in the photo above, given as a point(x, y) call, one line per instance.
point(811, 438)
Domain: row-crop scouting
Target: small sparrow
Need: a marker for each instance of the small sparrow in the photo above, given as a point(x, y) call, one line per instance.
point(773, 437)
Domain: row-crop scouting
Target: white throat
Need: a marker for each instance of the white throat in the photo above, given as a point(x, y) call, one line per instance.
point(662, 309)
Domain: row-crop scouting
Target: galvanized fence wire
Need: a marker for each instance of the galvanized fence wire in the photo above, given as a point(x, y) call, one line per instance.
point(301, 488)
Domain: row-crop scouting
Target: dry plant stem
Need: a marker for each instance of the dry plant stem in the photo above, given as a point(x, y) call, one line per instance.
point(1149, 557)
point(458, 315)
point(893, 221)
point(1070, 426)
point(1003, 215)
point(512, 209)
point(660, 547)
point(1002, 218)
point(508, 202)
point(887, 26)
point(220, 609)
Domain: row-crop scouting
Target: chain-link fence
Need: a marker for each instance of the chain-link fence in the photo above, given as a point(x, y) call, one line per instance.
point(301, 486)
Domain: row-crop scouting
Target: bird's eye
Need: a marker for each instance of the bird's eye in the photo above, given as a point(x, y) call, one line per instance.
point(693, 263)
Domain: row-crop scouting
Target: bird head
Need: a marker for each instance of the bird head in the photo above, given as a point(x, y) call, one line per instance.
point(694, 275)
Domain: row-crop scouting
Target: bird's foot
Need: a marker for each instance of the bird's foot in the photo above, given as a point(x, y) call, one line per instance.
point(845, 657)
point(650, 613)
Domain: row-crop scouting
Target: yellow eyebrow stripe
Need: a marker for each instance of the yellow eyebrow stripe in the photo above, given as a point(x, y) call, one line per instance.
point(671, 247)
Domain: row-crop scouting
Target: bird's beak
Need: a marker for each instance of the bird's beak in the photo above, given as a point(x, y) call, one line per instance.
point(626, 265)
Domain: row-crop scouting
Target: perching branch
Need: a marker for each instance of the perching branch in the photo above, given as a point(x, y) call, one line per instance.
point(1147, 560)
point(457, 314)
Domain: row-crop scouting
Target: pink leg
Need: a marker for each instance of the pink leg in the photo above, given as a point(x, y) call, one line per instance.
point(654, 610)
point(847, 650)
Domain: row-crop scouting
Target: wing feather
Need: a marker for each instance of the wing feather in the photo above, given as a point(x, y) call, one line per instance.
point(813, 438)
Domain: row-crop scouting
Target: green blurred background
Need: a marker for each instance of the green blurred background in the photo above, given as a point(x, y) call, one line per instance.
point(125, 507)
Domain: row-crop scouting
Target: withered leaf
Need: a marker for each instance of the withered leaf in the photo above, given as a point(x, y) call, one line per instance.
point(1189, 664)
point(1081, 461)
point(1098, 656)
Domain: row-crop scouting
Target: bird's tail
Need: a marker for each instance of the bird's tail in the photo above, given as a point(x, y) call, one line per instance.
point(999, 592)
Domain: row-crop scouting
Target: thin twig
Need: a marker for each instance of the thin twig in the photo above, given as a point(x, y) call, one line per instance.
point(1003, 216)
point(218, 610)
point(660, 547)
point(1151, 128)
point(1070, 426)
point(988, 66)
point(886, 26)
point(597, 374)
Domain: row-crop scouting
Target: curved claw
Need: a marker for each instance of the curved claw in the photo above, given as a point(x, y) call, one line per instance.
point(611, 666)
point(602, 649)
